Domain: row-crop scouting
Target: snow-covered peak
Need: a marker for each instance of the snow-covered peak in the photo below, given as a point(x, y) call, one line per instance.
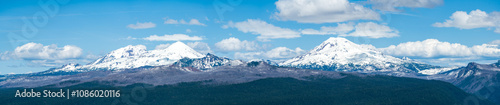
point(436, 70)
point(70, 66)
point(137, 56)
point(127, 51)
point(337, 40)
point(341, 51)
point(178, 46)
point(337, 45)
point(177, 50)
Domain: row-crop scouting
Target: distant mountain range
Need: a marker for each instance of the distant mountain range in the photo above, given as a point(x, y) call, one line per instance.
point(208, 62)
point(334, 54)
point(137, 56)
point(179, 63)
point(480, 79)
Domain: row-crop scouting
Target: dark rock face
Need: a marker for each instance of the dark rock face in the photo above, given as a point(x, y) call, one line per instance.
point(480, 79)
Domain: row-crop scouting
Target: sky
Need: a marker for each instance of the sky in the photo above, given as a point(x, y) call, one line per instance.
point(36, 35)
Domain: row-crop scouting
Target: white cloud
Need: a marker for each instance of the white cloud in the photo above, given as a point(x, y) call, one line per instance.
point(486, 50)
point(171, 21)
point(188, 31)
point(130, 38)
point(248, 55)
point(6, 55)
point(283, 52)
point(435, 48)
point(174, 37)
point(278, 53)
point(367, 29)
point(36, 51)
point(495, 42)
point(322, 11)
point(162, 46)
point(46, 56)
point(265, 30)
point(391, 5)
point(141, 25)
point(457, 61)
point(373, 30)
point(200, 47)
point(341, 28)
point(235, 44)
point(191, 22)
point(475, 19)
point(49, 63)
point(195, 22)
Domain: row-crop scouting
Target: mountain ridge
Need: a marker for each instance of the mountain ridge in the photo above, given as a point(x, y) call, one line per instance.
point(137, 56)
point(340, 54)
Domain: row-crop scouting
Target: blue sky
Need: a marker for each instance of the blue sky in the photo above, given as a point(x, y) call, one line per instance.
point(78, 31)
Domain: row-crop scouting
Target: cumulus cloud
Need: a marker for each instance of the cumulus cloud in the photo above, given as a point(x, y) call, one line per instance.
point(44, 55)
point(235, 44)
point(279, 53)
point(248, 55)
point(191, 22)
point(366, 29)
point(373, 30)
point(475, 19)
point(174, 37)
point(265, 30)
point(495, 42)
point(283, 52)
point(36, 51)
point(341, 28)
point(434, 48)
point(391, 5)
point(142, 25)
point(322, 11)
point(200, 47)
point(453, 61)
point(162, 46)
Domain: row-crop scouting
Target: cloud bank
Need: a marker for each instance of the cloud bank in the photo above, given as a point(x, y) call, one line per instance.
point(265, 30)
point(322, 11)
point(472, 20)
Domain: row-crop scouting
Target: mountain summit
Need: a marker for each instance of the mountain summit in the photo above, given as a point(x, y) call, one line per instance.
point(340, 54)
point(342, 51)
point(137, 56)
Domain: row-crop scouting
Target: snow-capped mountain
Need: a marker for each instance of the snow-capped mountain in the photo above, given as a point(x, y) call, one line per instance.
point(474, 76)
point(436, 70)
point(340, 54)
point(137, 56)
point(207, 62)
point(479, 79)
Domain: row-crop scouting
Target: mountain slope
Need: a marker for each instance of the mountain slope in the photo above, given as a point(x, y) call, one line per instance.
point(207, 62)
point(340, 54)
point(350, 89)
point(137, 56)
point(480, 79)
